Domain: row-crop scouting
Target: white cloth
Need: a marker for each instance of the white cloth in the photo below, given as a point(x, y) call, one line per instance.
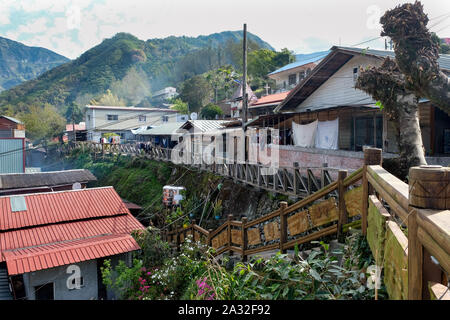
point(304, 134)
point(327, 134)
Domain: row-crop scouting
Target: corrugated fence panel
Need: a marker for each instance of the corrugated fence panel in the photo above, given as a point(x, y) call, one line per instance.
point(11, 156)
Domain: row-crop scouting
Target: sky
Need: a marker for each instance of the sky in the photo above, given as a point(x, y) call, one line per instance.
point(303, 26)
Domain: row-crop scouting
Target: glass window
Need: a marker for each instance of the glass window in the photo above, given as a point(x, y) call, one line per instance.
point(292, 79)
point(142, 118)
point(112, 117)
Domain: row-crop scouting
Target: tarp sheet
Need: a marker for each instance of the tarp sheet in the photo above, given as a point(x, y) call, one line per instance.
point(304, 134)
point(327, 134)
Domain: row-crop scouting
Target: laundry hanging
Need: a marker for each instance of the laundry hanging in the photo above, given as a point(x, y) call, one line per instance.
point(304, 134)
point(327, 134)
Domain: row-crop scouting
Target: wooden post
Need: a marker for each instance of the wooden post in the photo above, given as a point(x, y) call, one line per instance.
point(322, 178)
point(427, 190)
point(295, 179)
point(244, 239)
point(177, 235)
point(372, 156)
point(343, 218)
point(229, 218)
point(283, 226)
point(193, 230)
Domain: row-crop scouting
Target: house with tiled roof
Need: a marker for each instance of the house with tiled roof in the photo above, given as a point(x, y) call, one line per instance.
point(52, 245)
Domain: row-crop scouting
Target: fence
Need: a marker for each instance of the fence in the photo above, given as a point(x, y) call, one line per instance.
point(407, 227)
point(294, 181)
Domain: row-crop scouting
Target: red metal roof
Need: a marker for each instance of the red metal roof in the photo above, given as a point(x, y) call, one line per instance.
point(45, 208)
point(270, 99)
point(22, 238)
point(54, 255)
point(64, 227)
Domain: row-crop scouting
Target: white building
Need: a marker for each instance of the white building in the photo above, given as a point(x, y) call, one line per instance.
point(288, 76)
point(165, 94)
point(121, 120)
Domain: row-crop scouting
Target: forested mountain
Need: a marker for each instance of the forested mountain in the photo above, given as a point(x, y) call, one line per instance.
point(19, 62)
point(129, 67)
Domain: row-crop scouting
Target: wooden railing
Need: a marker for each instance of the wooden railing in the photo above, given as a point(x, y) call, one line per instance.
point(294, 181)
point(407, 227)
point(287, 226)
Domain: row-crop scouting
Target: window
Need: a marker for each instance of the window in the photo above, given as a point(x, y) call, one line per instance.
point(112, 117)
point(165, 118)
point(89, 117)
point(292, 79)
point(301, 75)
point(142, 118)
point(355, 74)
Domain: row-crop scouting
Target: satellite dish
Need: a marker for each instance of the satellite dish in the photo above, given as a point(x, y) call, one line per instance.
point(194, 116)
point(76, 186)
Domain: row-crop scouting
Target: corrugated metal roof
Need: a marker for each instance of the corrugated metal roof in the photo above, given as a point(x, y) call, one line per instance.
point(45, 208)
point(205, 125)
point(271, 99)
point(54, 255)
point(12, 119)
point(444, 59)
point(12, 155)
point(29, 237)
point(49, 178)
point(163, 130)
point(302, 59)
point(65, 227)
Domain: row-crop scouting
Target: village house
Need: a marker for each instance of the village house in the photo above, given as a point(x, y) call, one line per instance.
point(80, 130)
point(325, 119)
point(288, 76)
point(102, 120)
point(24, 183)
point(52, 245)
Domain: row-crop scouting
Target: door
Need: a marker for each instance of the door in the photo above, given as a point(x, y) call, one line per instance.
point(44, 292)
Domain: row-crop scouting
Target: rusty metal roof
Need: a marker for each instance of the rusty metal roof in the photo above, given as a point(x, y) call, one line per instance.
point(63, 253)
point(54, 207)
point(54, 233)
point(44, 179)
point(64, 227)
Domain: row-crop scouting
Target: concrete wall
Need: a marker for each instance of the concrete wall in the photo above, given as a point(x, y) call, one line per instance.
point(59, 278)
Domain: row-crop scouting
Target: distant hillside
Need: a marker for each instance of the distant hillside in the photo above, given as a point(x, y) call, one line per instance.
point(19, 63)
point(129, 67)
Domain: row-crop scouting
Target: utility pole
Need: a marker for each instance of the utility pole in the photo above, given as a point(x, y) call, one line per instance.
point(73, 124)
point(244, 80)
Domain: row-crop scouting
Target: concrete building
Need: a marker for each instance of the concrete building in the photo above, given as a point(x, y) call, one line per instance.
point(56, 249)
point(288, 76)
point(165, 94)
point(121, 120)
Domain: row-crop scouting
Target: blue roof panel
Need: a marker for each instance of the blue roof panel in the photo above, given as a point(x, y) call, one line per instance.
point(302, 59)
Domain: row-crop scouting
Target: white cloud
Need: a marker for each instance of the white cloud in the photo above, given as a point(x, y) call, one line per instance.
point(297, 25)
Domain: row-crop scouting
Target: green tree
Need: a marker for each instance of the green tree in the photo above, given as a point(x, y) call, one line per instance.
point(222, 81)
point(107, 99)
point(42, 124)
point(210, 111)
point(196, 92)
point(77, 111)
point(180, 106)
